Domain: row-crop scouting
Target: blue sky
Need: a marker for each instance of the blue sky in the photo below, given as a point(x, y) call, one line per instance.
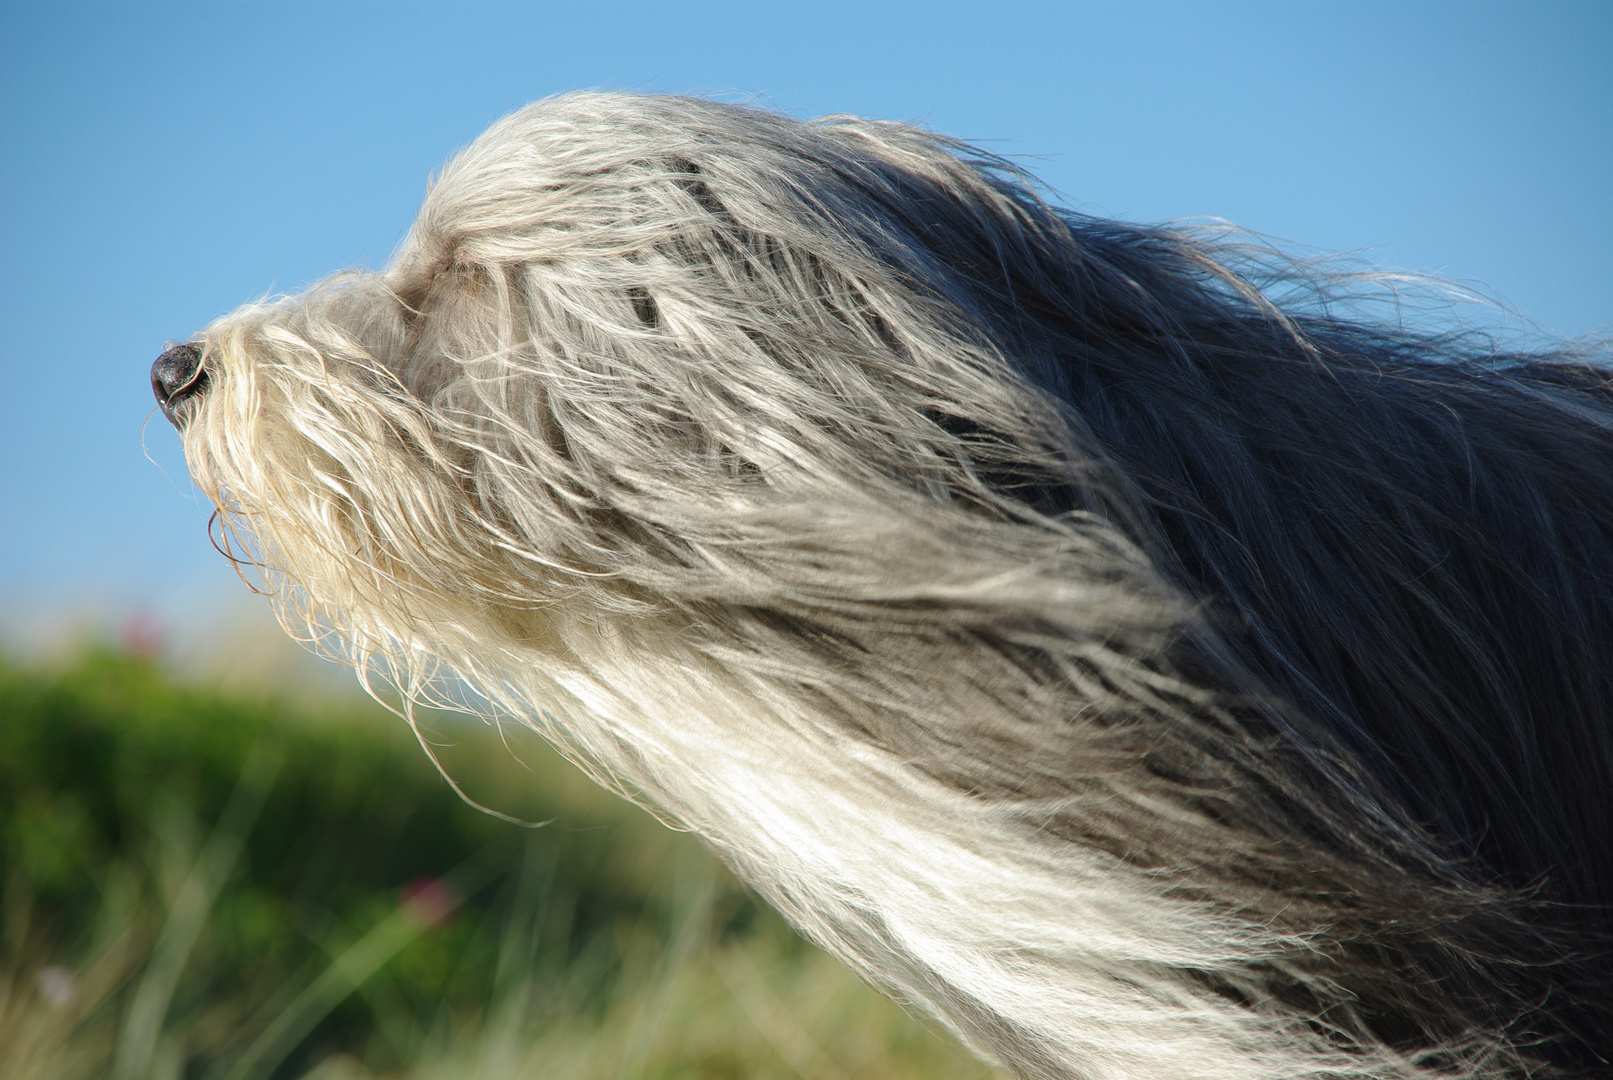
point(160, 164)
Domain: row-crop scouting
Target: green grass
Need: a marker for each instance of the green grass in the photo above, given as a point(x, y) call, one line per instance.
point(214, 886)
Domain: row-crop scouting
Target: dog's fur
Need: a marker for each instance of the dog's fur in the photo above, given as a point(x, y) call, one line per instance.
point(1079, 629)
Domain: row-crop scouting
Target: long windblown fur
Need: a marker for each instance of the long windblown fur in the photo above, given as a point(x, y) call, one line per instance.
point(1143, 676)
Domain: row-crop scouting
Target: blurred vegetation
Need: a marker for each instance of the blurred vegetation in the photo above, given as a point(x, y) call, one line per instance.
point(215, 886)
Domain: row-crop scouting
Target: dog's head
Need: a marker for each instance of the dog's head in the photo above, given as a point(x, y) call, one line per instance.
point(640, 352)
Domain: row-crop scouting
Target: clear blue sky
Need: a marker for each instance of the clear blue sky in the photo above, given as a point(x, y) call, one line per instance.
point(160, 164)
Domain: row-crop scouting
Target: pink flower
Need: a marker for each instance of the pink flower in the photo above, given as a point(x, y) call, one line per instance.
point(429, 902)
point(56, 985)
point(141, 635)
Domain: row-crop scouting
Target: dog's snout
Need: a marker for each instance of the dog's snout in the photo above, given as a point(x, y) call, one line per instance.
point(177, 378)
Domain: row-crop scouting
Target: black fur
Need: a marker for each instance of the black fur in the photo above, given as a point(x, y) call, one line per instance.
point(1405, 542)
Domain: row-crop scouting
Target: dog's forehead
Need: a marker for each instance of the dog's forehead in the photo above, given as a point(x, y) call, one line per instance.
point(524, 172)
point(583, 135)
point(570, 176)
point(586, 139)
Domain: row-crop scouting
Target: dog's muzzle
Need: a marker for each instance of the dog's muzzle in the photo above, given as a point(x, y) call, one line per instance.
point(178, 379)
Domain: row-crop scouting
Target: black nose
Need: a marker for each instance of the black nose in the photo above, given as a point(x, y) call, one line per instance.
point(178, 378)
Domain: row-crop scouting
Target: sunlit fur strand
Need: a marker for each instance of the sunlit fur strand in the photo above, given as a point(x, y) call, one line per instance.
point(950, 565)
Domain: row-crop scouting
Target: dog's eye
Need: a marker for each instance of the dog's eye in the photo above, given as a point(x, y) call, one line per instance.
point(645, 307)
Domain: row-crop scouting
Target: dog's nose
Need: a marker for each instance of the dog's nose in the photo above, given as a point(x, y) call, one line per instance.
point(177, 378)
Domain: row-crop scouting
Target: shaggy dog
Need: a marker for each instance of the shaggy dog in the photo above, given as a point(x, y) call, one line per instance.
point(1082, 630)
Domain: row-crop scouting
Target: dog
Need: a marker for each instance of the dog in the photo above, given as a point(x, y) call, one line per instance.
point(1102, 638)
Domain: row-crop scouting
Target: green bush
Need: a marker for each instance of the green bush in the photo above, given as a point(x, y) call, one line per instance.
point(209, 886)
